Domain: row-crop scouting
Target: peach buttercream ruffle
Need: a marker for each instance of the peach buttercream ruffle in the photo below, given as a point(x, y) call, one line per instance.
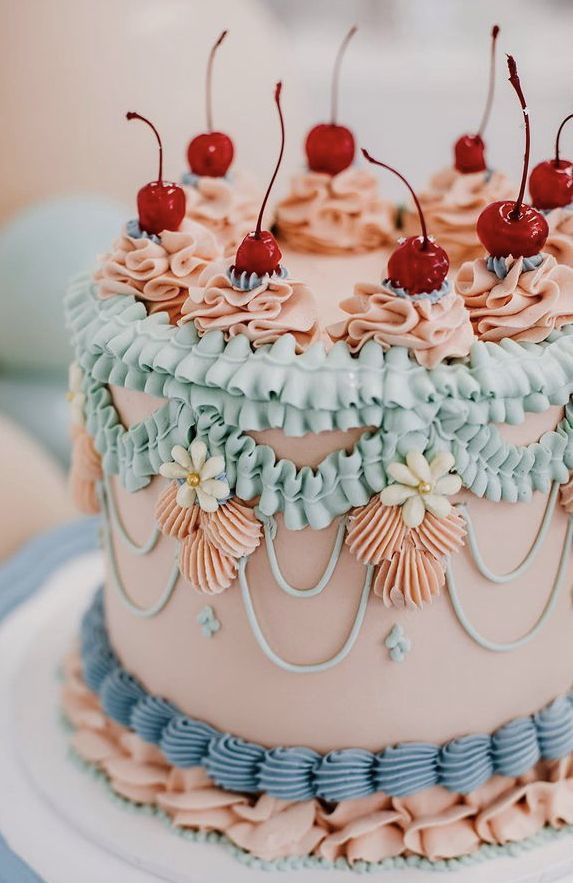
point(560, 240)
point(160, 274)
point(335, 214)
point(525, 306)
point(265, 313)
point(85, 471)
point(227, 207)
point(452, 204)
point(435, 823)
point(431, 331)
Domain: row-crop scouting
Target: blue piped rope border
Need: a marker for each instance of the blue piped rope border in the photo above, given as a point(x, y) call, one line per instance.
point(461, 765)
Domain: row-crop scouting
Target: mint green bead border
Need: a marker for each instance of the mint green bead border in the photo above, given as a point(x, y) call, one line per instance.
point(212, 387)
point(546, 835)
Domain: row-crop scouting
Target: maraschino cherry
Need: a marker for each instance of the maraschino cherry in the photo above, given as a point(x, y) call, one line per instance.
point(419, 265)
point(512, 227)
point(329, 147)
point(210, 154)
point(551, 182)
point(469, 150)
point(160, 204)
point(259, 251)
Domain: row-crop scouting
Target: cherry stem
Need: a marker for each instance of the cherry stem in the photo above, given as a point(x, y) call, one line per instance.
point(278, 89)
point(208, 102)
point(559, 130)
point(383, 165)
point(336, 74)
point(491, 87)
point(514, 80)
point(131, 115)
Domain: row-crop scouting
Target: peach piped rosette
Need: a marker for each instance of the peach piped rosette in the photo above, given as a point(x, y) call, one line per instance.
point(525, 305)
point(560, 240)
point(215, 530)
point(227, 207)
point(158, 271)
point(86, 468)
point(432, 330)
point(435, 823)
point(452, 204)
point(273, 307)
point(409, 530)
point(335, 214)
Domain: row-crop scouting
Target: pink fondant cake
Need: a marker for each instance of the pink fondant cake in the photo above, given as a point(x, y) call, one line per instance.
point(336, 506)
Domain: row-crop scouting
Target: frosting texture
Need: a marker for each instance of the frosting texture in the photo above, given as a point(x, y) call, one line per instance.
point(159, 271)
point(335, 214)
point(452, 204)
point(435, 824)
point(560, 240)
point(431, 330)
point(525, 305)
point(227, 206)
point(262, 314)
point(461, 765)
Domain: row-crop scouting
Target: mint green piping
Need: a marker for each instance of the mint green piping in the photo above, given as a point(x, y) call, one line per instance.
point(544, 616)
point(309, 668)
point(111, 508)
point(328, 571)
point(529, 558)
point(117, 582)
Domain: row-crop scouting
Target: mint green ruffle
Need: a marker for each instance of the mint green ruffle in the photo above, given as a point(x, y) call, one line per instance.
point(220, 390)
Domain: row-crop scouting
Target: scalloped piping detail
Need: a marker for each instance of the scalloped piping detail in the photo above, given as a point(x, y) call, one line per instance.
point(460, 765)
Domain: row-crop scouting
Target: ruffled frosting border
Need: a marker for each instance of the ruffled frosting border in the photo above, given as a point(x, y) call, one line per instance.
point(219, 391)
point(461, 765)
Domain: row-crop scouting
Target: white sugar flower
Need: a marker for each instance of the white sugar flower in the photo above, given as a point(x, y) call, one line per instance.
point(421, 486)
point(199, 476)
point(76, 396)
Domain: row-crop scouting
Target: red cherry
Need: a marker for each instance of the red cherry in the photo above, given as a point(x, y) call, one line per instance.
point(210, 154)
point(259, 251)
point(502, 234)
point(160, 204)
point(469, 153)
point(469, 150)
point(512, 227)
point(329, 147)
point(551, 182)
point(419, 265)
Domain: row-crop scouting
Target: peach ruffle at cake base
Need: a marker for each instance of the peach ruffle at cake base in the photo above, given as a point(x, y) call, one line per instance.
point(435, 827)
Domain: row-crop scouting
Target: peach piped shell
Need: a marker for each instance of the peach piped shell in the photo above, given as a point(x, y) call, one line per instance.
point(441, 536)
point(567, 496)
point(204, 566)
point(174, 520)
point(85, 472)
point(411, 578)
point(233, 528)
point(375, 532)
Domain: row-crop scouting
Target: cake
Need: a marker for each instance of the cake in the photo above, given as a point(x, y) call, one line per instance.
point(335, 624)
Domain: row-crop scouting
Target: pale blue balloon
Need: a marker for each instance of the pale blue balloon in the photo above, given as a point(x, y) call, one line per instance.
point(41, 249)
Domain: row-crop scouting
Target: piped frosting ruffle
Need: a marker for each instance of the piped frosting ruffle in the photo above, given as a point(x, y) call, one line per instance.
point(524, 306)
point(431, 330)
point(335, 214)
point(227, 206)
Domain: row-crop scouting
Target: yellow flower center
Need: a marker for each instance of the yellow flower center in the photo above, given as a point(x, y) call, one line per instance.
point(193, 479)
point(424, 487)
point(70, 396)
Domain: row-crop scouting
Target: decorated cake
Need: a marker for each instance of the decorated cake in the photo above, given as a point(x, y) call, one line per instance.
point(336, 501)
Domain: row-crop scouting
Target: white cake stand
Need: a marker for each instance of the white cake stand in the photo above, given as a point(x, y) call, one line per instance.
point(63, 823)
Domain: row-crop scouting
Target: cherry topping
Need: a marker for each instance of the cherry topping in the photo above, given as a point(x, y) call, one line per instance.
point(160, 204)
point(329, 147)
point(512, 227)
point(551, 182)
point(419, 265)
point(469, 150)
point(259, 251)
point(210, 154)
